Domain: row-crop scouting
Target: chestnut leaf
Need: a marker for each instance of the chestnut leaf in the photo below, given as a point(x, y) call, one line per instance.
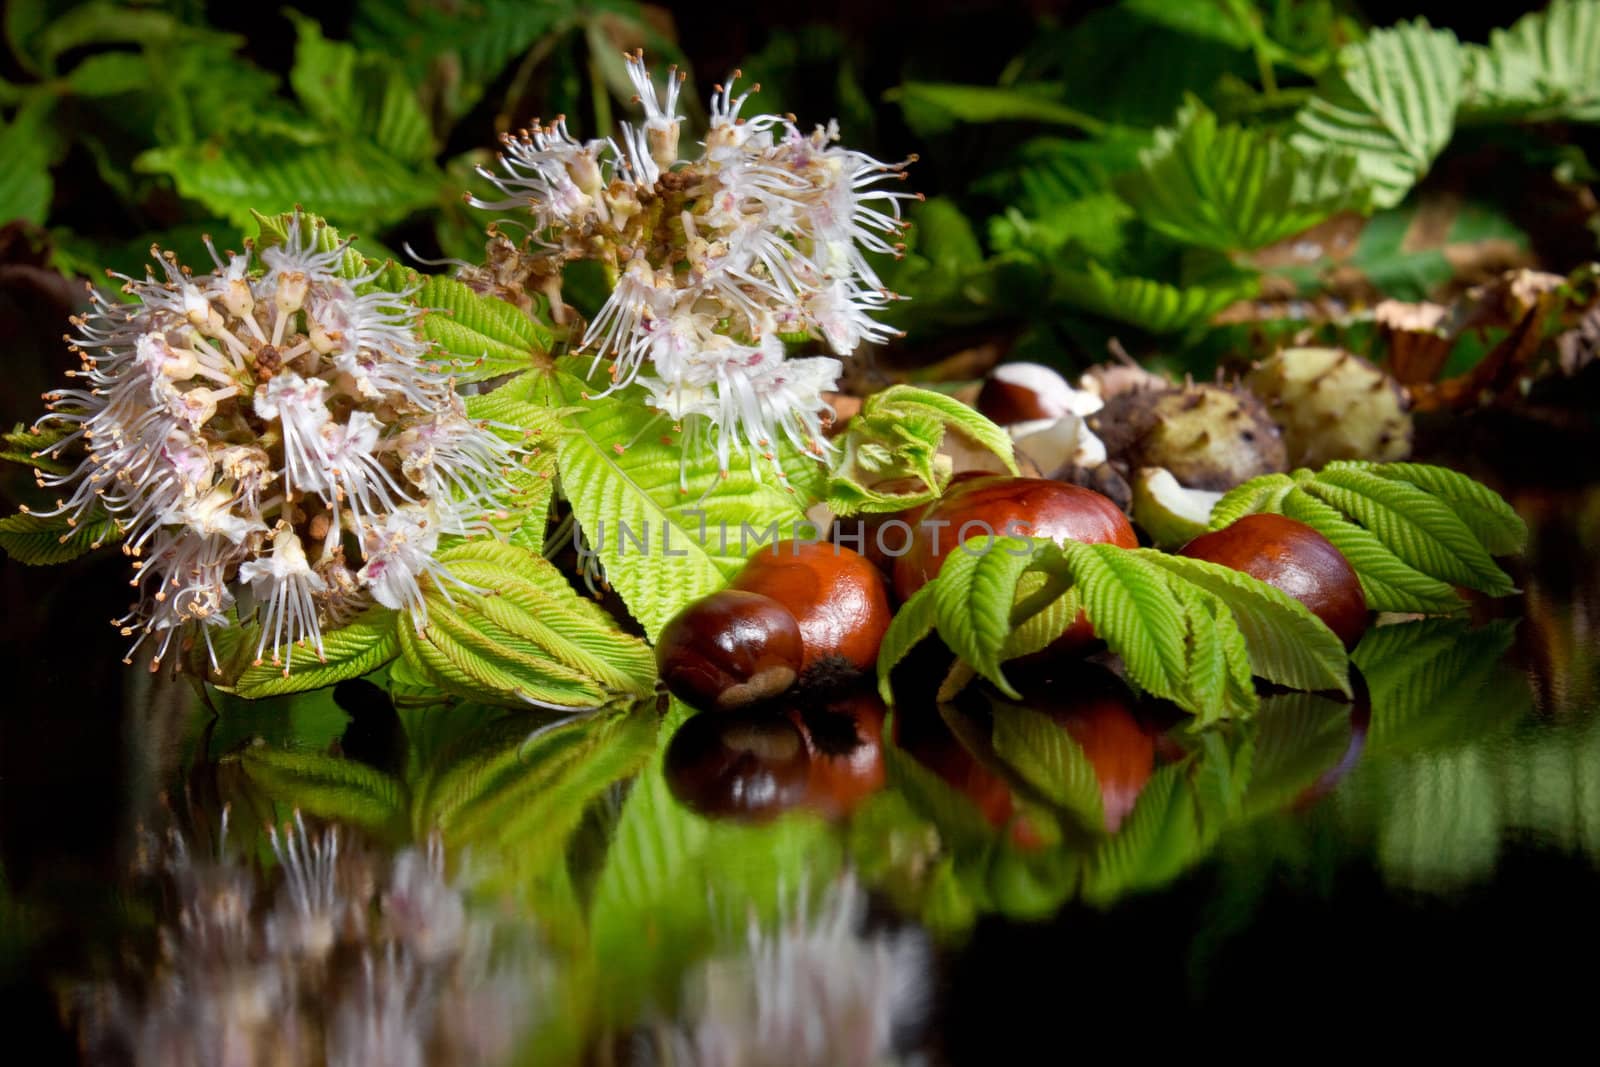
point(667, 527)
point(37, 539)
point(1411, 531)
point(365, 644)
point(514, 632)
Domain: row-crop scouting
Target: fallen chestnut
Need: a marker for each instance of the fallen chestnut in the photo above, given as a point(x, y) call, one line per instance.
point(747, 765)
point(1025, 392)
point(999, 505)
point(730, 649)
point(836, 594)
point(1296, 559)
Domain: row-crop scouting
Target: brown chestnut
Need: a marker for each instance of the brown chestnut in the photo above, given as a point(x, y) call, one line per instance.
point(1025, 392)
point(730, 649)
point(1002, 505)
point(1296, 559)
point(837, 596)
point(746, 765)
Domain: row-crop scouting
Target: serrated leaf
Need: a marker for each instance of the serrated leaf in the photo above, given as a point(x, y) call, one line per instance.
point(1391, 100)
point(1264, 493)
point(1388, 582)
point(1415, 526)
point(526, 595)
point(37, 540)
point(1128, 601)
point(463, 651)
point(330, 787)
point(1216, 683)
point(487, 337)
point(362, 646)
point(975, 591)
point(914, 621)
point(1038, 629)
point(1231, 187)
point(1144, 302)
point(319, 236)
point(1287, 644)
point(518, 411)
point(347, 180)
point(363, 94)
point(1546, 66)
point(1050, 760)
point(1496, 525)
point(623, 481)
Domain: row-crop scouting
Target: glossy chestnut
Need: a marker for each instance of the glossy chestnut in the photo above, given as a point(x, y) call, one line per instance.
point(1002, 505)
point(835, 594)
point(1296, 559)
point(1024, 392)
point(730, 649)
point(748, 765)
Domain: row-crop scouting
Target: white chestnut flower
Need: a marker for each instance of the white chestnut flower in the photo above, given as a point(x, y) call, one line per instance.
point(762, 238)
point(253, 428)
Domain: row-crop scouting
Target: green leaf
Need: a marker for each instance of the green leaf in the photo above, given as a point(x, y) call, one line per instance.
point(1546, 66)
point(363, 95)
point(1388, 582)
point(345, 179)
point(488, 337)
point(1298, 738)
point(1128, 600)
point(1392, 101)
point(109, 74)
point(664, 542)
point(1156, 842)
point(1217, 684)
point(25, 185)
point(975, 590)
point(1496, 525)
point(1092, 224)
point(26, 446)
point(1415, 526)
point(1231, 187)
point(520, 411)
point(365, 644)
point(1264, 493)
point(1050, 760)
point(934, 107)
point(517, 633)
point(330, 787)
point(527, 595)
point(1046, 172)
point(914, 621)
point(897, 434)
point(37, 540)
point(1287, 643)
point(1144, 302)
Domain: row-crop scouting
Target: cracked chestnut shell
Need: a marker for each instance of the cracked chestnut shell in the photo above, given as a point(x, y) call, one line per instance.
point(1296, 559)
point(730, 649)
point(836, 594)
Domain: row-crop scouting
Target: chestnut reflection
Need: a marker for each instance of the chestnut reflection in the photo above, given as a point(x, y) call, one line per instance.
point(750, 765)
point(923, 734)
point(845, 742)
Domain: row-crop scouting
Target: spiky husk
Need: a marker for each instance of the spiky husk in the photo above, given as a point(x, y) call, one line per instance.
point(1209, 436)
point(1333, 404)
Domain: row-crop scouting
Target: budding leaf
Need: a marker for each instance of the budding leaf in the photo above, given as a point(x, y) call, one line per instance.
point(37, 540)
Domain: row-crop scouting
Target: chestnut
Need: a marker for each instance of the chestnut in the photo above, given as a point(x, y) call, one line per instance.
point(1000, 504)
point(844, 739)
point(1296, 559)
point(745, 765)
point(1025, 392)
point(730, 649)
point(836, 595)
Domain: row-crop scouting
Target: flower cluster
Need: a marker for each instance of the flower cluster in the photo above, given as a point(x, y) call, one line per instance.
point(352, 958)
point(717, 260)
point(270, 441)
